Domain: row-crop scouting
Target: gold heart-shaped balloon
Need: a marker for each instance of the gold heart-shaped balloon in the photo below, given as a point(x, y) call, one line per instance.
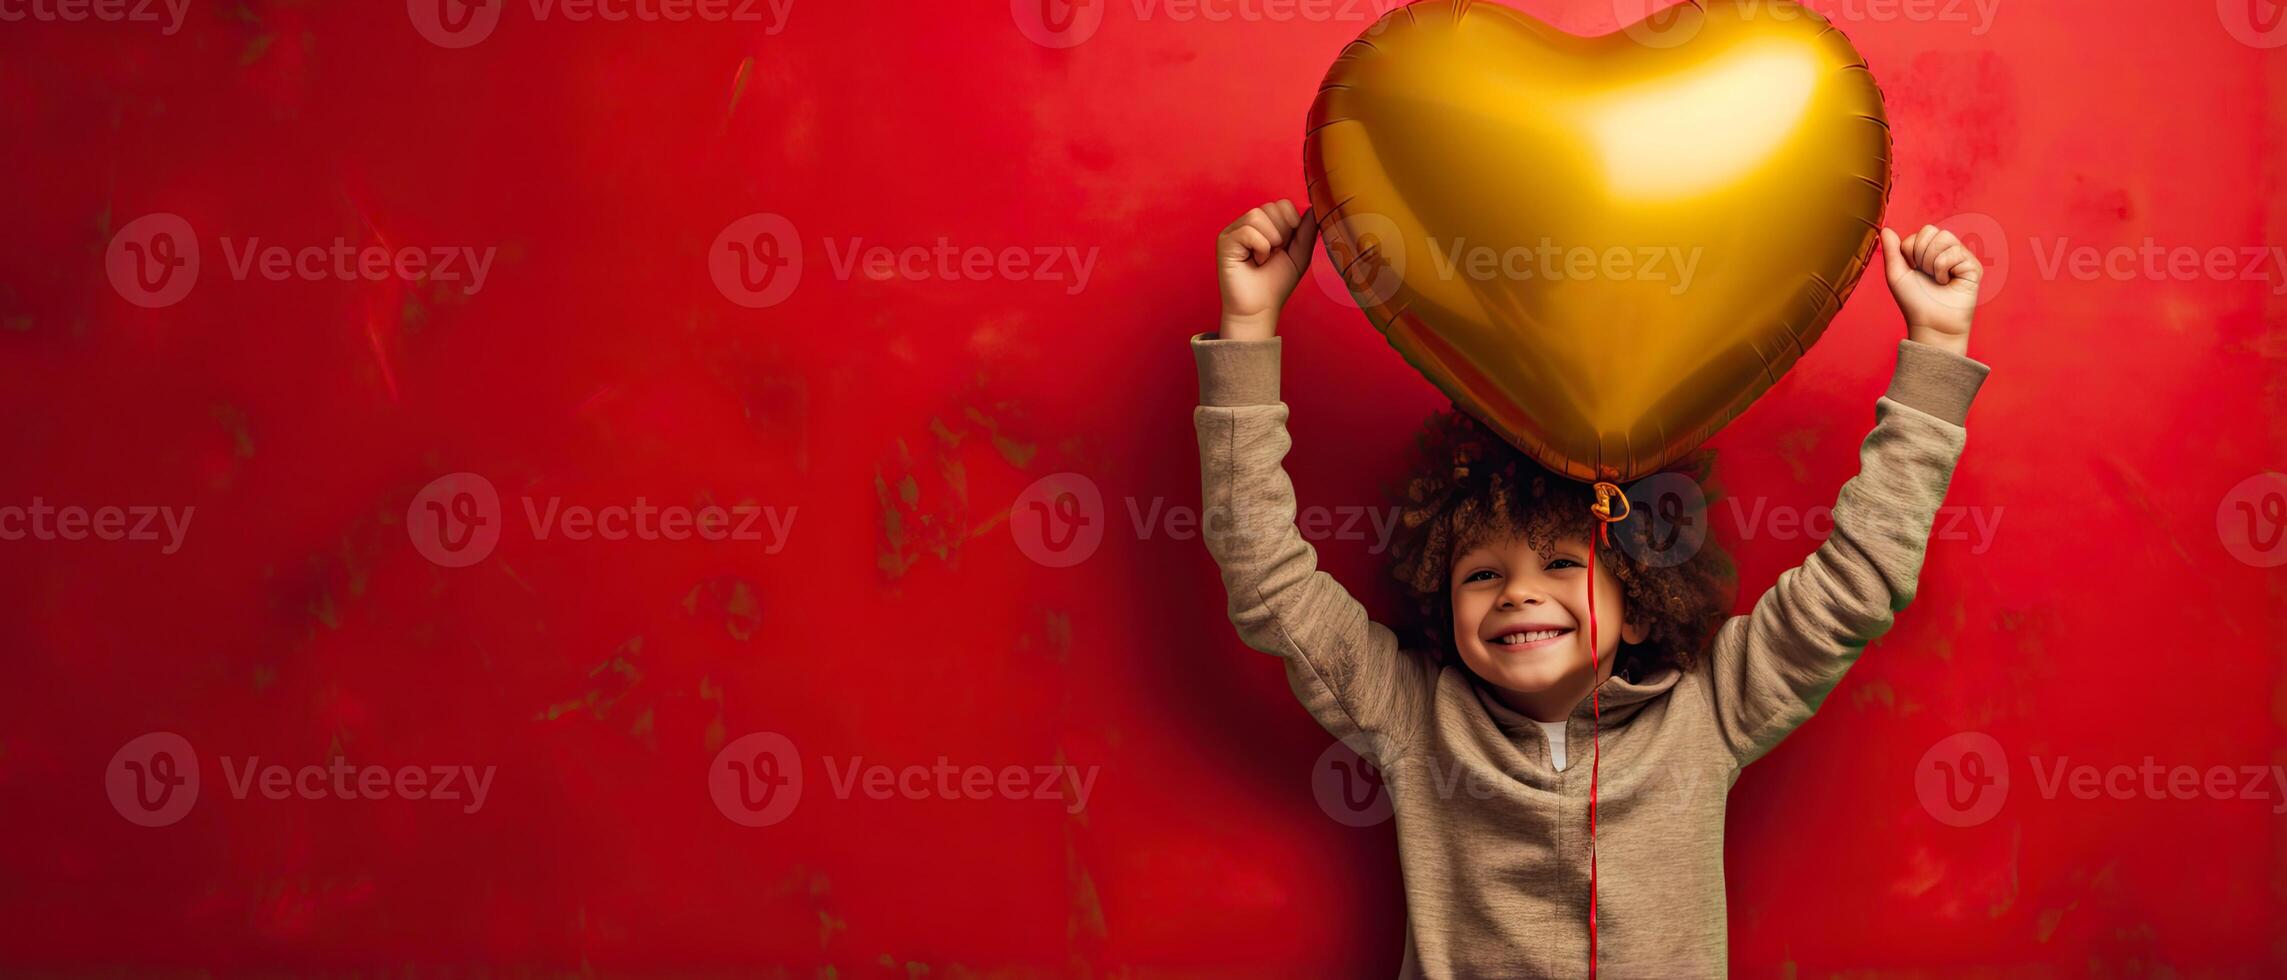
point(1603, 247)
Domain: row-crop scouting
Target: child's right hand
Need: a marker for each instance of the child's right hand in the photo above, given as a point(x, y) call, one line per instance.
point(1259, 259)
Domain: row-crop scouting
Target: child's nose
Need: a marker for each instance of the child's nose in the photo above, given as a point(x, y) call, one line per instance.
point(1517, 595)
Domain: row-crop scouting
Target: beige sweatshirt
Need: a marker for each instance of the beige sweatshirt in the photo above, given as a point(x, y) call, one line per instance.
point(1492, 838)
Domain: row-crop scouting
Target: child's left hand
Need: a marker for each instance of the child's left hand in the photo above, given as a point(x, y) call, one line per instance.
point(1934, 278)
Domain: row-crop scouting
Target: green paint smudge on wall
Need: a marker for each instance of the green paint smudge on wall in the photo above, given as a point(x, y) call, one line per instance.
point(891, 558)
point(1087, 911)
point(620, 675)
point(2045, 928)
point(716, 733)
point(920, 517)
point(913, 970)
point(235, 421)
point(1874, 691)
point(734, 598)
point(1794, 447)
point(1055, 636)
point(1019, 454)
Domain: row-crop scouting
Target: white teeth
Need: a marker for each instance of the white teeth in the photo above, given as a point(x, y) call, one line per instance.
point(1516, 639)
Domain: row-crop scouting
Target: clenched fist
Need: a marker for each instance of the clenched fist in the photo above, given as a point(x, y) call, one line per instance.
point(1259, 259)
point(1934, 278)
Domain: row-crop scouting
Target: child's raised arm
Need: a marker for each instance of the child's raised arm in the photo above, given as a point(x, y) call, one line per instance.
point(1770, 670)
point(1345, 668)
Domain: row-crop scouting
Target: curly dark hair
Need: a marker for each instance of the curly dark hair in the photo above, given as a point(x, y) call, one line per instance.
point(1471, 486)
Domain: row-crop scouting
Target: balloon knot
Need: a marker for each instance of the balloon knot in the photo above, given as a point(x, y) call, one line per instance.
point(1606, 493)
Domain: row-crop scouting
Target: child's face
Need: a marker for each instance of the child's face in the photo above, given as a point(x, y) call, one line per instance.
point(1503, 588)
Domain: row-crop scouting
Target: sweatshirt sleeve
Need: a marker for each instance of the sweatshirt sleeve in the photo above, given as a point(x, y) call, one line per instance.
point(1770, 670)
point(1346, 669)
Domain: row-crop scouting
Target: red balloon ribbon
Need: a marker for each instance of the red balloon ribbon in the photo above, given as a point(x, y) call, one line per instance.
point(1605, 493)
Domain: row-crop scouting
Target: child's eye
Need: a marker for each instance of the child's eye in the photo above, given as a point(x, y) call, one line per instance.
point(1564, 563)
point(1473, 575)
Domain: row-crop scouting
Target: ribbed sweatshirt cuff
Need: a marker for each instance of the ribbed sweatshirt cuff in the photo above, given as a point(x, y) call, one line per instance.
point(1938, 382)
point(1236, 372)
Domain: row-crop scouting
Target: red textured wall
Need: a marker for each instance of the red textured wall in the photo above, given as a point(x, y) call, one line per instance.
point(900, 415)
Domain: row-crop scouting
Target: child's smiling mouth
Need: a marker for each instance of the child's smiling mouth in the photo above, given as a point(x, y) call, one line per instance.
point(1529, 636)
